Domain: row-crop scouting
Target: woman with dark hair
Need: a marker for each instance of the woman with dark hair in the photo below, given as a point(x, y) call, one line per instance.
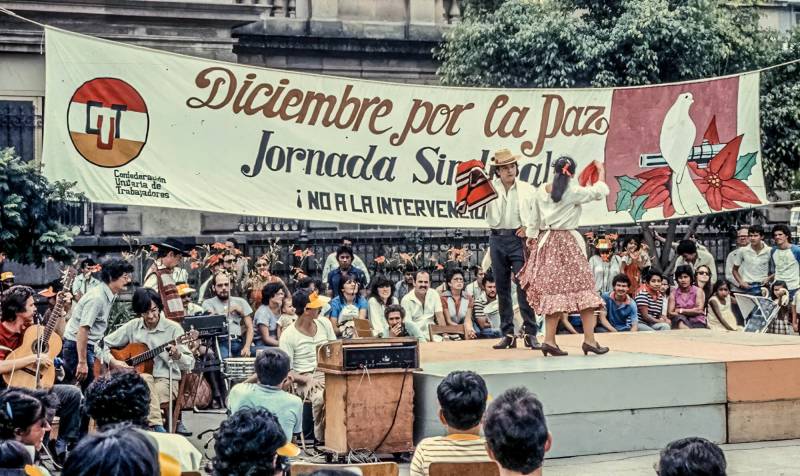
point(247, 444)
point(559, 280)
point(687, 302)
point(381, 295)
point(702, 279)
point(346, 306)
point(457, 305)
point(266, 316)
point(120, 450)
point(14, 455)
point(635, 259)
point(25, 417)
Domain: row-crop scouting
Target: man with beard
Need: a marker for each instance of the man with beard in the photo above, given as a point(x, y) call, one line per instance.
point(240, 317)
point(486, 312)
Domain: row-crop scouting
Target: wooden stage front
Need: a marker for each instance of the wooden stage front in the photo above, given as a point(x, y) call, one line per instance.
point(652, 388)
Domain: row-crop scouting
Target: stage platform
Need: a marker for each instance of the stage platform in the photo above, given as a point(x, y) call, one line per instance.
point(652, 388)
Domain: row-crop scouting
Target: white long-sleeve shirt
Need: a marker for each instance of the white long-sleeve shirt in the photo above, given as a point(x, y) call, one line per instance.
point(512, 207)
point(566, 214)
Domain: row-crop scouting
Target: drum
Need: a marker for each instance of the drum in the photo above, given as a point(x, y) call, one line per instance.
point(239, 368)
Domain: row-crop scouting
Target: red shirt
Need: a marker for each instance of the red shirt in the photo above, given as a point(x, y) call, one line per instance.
point(9, 339)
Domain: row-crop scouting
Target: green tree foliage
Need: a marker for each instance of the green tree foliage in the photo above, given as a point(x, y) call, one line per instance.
point(29, 208)
point(603, 43)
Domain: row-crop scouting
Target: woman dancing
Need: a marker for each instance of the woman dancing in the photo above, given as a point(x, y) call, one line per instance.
point(560, 280)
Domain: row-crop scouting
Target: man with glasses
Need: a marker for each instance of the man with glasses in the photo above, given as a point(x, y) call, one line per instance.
point(89, 322)
point(742, 241)
point(229, 267)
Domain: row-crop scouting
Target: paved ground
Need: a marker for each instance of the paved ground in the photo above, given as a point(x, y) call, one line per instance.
point(771, 458)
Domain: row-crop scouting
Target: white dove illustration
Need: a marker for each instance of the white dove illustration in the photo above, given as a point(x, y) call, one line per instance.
point(676, 141)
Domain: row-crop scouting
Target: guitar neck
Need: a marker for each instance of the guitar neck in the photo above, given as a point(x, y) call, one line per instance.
point(152, 353)
point(55, 315)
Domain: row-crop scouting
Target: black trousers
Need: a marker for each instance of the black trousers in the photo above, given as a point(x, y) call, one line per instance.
point(508, 257)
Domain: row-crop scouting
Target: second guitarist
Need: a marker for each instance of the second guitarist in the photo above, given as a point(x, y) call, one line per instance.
point(152, 329)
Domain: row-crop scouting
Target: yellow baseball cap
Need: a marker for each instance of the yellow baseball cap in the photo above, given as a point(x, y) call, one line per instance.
point(289, 450)
point(7, 275)
point(315, 301)
point(184, 289)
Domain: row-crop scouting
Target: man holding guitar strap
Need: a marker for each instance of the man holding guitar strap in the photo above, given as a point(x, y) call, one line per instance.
point(150, 329)
point(18, 310)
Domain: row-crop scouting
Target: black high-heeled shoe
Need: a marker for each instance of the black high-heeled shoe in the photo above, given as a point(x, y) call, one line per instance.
point(553, 350)
point(507, 342)
point(599, 350)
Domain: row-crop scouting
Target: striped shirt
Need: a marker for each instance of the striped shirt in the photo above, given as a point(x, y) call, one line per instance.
point(654, 305)
point(448, 449)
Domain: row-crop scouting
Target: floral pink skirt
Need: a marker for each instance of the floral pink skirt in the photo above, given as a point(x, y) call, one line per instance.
point(557, 277)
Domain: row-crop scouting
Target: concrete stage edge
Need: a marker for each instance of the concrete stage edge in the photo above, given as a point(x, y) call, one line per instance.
point(652, 388)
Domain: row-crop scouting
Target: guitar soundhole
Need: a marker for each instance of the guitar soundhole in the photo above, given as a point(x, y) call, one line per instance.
point(45, 347)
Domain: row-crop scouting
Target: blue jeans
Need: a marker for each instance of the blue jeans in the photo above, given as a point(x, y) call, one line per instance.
point(69, 353)
point(236, 348)
point(753, 290)
point(487, 333)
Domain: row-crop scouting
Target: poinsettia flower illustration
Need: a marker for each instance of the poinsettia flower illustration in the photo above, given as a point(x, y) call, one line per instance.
point(655, 183)
point(717, 183)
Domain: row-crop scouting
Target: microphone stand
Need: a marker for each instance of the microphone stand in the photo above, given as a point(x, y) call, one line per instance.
point(169, 415)
point(39, 345)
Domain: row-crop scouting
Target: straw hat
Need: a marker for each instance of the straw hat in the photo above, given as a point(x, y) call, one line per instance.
point(504, 157)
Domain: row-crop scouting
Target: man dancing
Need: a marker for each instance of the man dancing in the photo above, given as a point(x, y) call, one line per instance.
point(508, 217)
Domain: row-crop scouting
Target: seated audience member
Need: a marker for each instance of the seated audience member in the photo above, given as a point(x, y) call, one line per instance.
point(686, 309)
point(348, 304)
point(692, 456)
point(397, 326)
point(336, 472)
point(462, 401)
point(516, 433)
point(620, 313)
point(457, 305)
point(300, 342)
point(267, 315)
point(122, 397)
point(18, 310)
point(650, 303)
point(119, 450)
point(186, 293)
point(405, 285)
point(423, 305)
point(250, 442)
point(486, 311)
point(475, 288)
point(153, 330)
point(14, 455)
point(25, 417)
point(702, 280)
point(288, 315)
point(690, 254)
point(720, 307)
point(381, 296)
point(240, 317)
point(272, 368)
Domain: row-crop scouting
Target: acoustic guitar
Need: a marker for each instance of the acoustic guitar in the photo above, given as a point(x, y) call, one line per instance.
point(140, 357)
point(40, 340)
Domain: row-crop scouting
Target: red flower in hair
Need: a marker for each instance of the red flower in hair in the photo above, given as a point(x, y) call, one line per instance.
point(717, 183)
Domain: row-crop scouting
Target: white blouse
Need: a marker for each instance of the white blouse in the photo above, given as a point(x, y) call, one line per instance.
point(566, 214)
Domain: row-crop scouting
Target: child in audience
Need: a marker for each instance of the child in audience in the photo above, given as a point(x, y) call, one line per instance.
point(720, 308)
point(780, 297)
point(288, 315)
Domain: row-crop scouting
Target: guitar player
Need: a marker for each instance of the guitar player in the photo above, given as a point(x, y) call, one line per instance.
point(18, 311)
point(153, 330)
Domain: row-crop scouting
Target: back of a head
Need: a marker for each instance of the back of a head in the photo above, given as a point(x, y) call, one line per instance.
point(13, 455)
point(120, 450)
point(692, 457)
point(516, 431)
point(120, 397)
point(246, 443)
point(272, 366)
point(462, 398)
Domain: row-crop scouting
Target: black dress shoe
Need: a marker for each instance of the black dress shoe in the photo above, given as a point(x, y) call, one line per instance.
point(532, 342)
point(507, 342)
point(182, 430)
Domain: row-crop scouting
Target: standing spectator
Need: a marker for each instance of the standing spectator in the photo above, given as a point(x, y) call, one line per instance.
point(516, 433)
point(332, 262)
point(457, 305)
point(742, 241)
point(635, 258)
point(256, 281)
point(691, 254)
point(381, 296)
point(462, 401)
point(475, 288)
point(423, 305)
point(692, 456)
point(266, 317)
point(345, 256)
point(650, 303)
point(85, 280)
point(405, 285)
point(239, 317)
point(397, 326)
point(687, 302)
point(89, 322)
point(240, 267)
point(721, 316)
point(229, 261)
point(620, 313)
point(784, 260)
point(348, 305)
point(486, 314)
point(605, 265)
point(751, 265)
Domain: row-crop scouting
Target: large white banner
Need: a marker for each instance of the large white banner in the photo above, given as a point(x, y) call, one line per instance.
point(136, 126)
